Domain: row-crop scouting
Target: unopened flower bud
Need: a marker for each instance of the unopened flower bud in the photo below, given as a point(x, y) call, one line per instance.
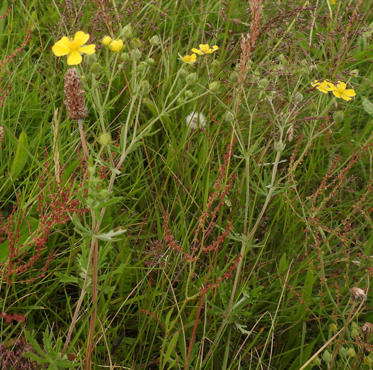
point(279, 146)
point(351, 352)
point(189, 94)
point(104, 139)
point(357, 294)
point(136, 43)
point(155, 40)
point(144, 87)
point(214, 86)
point(106, 40)
point(135, 54)
point(96, 68)
point(127, 31)
point(150, 61)
point(228, 117)
point(116, 45)
point(191, 78)
point(263, 83)
point(142, 67)
point(333, 327)
point(338, 116)
point(327, 357)
point(233, 77)
point(124, 57)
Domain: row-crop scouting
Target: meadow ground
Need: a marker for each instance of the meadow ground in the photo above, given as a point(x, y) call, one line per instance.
point(193, 191)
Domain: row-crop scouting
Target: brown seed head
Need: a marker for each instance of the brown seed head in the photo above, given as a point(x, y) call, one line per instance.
point(74, 95)
point(367, 330)
point(357, 294)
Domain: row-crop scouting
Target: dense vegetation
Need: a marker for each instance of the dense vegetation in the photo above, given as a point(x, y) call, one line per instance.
point(163, 207)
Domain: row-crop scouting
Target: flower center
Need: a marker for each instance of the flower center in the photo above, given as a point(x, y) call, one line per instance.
point(74, 45)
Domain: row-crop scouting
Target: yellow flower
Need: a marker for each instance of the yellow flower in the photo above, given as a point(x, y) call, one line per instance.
point(73, 48)
point(341, 91)
point(332, 2)
point(324, 86)
point(116, 45)
point(190, 59)
point(205, 49)
point(106, 40)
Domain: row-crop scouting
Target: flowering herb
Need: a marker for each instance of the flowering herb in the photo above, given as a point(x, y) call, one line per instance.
point(73, 48)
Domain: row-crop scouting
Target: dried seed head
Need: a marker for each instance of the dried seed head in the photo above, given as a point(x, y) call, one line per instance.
point(367, 330)
point(357, 294)
point(74, 95)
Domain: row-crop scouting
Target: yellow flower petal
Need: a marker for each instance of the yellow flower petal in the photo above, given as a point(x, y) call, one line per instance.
point(215, 47)
point(190, 59)
point(74, 58)
point(197, 51)
point(350, 92)
point(61, 47)
point(81, 38)
point(345, 97)
point(88, 49)
point(341, 85)
point(337, 93)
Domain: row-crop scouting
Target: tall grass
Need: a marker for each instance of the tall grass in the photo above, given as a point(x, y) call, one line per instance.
point(232, 244)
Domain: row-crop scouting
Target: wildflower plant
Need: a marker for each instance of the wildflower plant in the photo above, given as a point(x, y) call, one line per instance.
point(74, 48)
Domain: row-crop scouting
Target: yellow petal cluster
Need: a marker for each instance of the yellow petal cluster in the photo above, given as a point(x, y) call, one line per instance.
point(205, 49)
point(339, 90)
point(189, 59)
point(73, 48)
point(114, 45)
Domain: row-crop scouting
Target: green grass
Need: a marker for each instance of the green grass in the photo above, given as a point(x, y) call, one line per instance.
point(295, 192)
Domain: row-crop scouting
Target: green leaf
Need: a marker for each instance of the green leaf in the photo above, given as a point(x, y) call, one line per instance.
point(20, 157)
point(368, 106)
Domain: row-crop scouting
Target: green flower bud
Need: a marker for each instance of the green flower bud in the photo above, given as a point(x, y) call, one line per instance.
point(124, 57)
point(104, 139)
point(127, 32)
point(155, 40)
point(327, 357)
point(351, 352)
point(263, 83)
point(215, 64)
point(150, 61)
point(96, 68)
point(189, 94)
point(191, 79)
point(135, 54)
point(333, 327)
point(338, 116)
point(136, 43)
point(343, 351)
point(214, 86)
point(183, 72)
point(142, 67)
point(233, 77)
point(279, 146)
point(144, 87)
point(228, 117)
